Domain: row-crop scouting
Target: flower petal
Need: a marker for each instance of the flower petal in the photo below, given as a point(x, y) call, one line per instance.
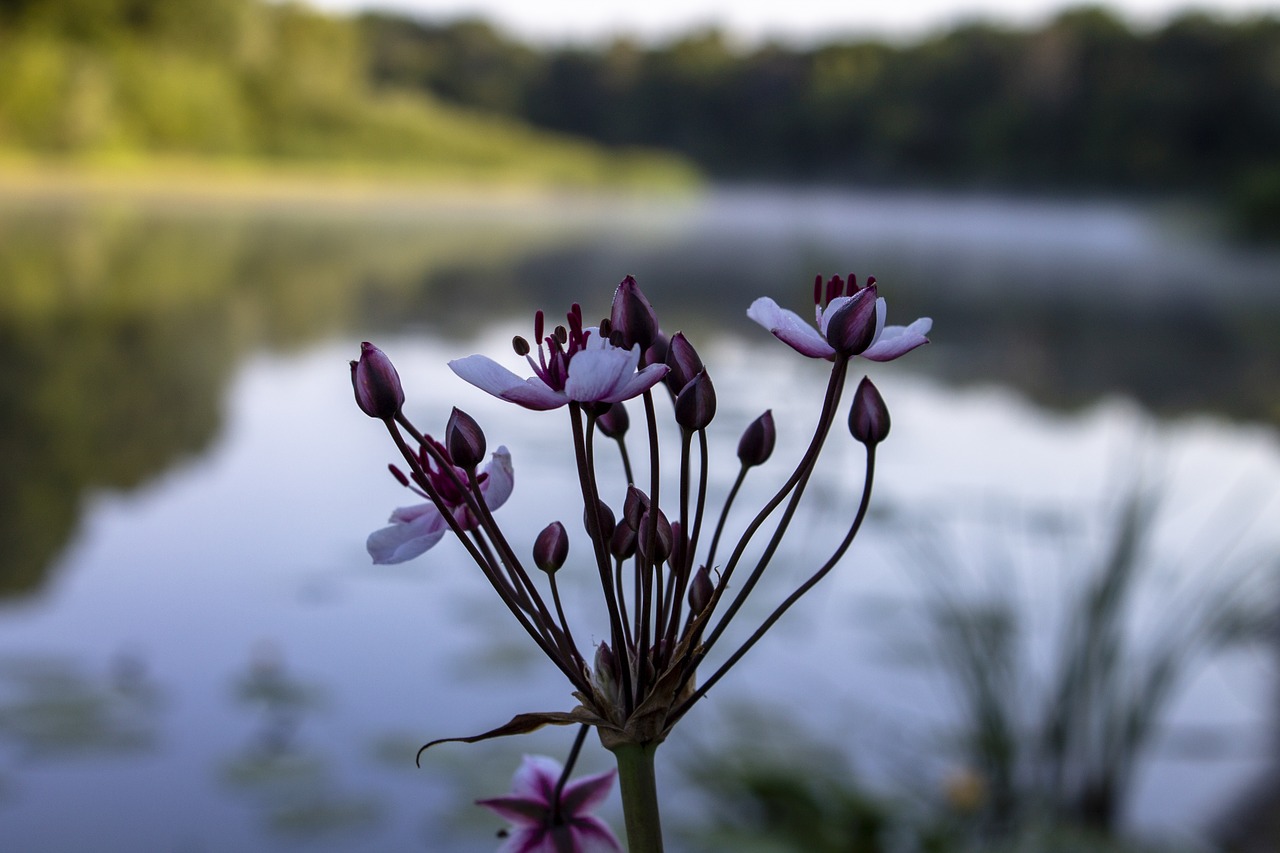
point(487, 375)
point(825, 314)
point(853, 326)
point(404, 541)
point(536, 779)
point(586, 793)
point(529, 839)
point(593, 835)
point(788, 327)
point(496, 488)
point(637, 383)
point(595, 374)
point(406, 514)
point(518, 810)
point(898, 340)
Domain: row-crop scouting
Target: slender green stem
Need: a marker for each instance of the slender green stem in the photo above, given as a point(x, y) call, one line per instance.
point(639, 789)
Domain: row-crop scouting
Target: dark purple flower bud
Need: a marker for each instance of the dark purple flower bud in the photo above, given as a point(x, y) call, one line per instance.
point(696, 404)
point(682, 362)
point(623, 543)
point(756, 445)
point(634, 505)
point(615, 422)
point(633, 316)
point(657, 351)
point(654, 544)
point(700, 590)
point(604, 675)
point(679, 546)
point(464, 440)
point(852, 327)
point(551, 548)
point(605, 516)
point(869, 417)
point(376, 383)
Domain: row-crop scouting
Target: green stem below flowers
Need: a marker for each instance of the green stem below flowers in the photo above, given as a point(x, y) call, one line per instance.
point(639, 789)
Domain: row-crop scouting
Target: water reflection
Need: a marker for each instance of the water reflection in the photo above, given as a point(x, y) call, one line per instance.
point(293, 785)
point(125, 324)
point(50, 709)
point(127, 321)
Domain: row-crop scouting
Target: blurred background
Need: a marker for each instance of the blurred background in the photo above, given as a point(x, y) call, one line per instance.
point(1058, 630)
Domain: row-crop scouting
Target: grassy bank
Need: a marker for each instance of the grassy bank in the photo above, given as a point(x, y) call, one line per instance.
point(238, 94)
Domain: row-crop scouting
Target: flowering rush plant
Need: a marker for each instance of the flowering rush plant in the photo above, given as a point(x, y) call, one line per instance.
point(667, 588)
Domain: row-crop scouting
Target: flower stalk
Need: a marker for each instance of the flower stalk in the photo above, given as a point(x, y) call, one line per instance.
point(648, 559)
point(639, 786)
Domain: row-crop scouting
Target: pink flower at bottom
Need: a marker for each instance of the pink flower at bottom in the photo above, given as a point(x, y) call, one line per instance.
point(539, 827)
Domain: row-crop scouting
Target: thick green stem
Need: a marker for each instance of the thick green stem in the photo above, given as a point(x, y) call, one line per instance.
point(639, 797)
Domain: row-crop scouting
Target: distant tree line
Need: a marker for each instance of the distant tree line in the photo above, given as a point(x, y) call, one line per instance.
point(1083, 102)
point(255, 80)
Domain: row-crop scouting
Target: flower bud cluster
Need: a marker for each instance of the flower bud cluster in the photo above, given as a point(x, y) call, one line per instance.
point(667, 597)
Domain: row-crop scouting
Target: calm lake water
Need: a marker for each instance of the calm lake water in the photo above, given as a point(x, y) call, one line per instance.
point(195, 653)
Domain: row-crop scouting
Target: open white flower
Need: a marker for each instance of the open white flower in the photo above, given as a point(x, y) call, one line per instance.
point(839, 319)
point(416, 529)
point(580, 365)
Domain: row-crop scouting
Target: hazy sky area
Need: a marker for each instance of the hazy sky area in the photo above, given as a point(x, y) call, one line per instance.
point(793, 20)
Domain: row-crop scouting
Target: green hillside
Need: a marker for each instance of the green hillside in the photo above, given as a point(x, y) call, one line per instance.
point(123, 83)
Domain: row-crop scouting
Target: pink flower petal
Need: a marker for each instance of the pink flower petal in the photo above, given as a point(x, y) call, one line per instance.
point(594, 836)
point(788, 327)
point(529, 839)
point(588, 792)
point(517, 810)
point(536, 779)
point(895, 341)
point(487, 375)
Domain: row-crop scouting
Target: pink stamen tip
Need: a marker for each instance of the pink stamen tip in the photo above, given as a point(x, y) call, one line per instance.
point(817, 290)
point(538, 325)
point(871, 280)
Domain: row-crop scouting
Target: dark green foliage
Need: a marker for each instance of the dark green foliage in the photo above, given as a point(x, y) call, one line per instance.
point(251, 80)
point(1083, 102)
